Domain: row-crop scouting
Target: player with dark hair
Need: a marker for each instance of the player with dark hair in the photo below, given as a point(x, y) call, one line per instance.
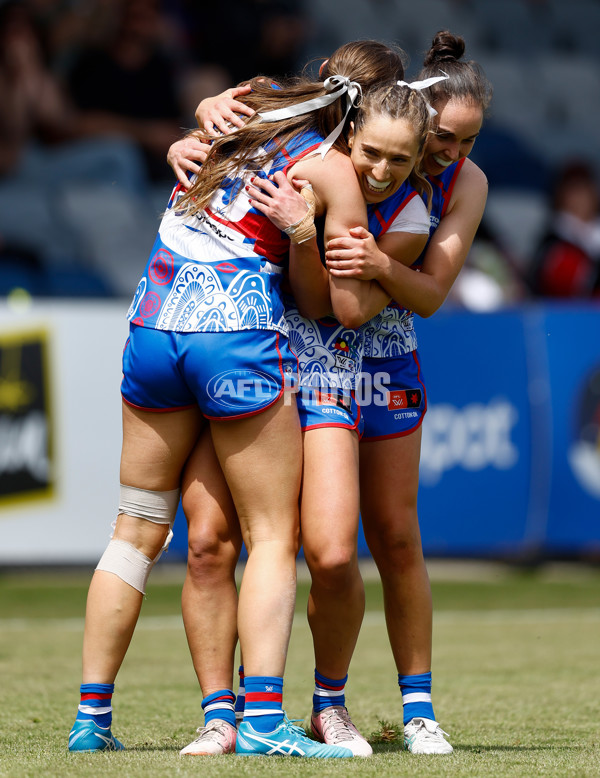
point(390, 447)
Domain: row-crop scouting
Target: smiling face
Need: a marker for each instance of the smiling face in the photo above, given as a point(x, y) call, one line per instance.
point(457, 126)
point(383, 152)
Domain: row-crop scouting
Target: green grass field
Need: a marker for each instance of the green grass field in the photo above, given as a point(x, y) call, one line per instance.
point(516, 681)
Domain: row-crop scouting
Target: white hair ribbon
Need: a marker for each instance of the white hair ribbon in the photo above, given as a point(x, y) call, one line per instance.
point(336, 86)
point(419, 85)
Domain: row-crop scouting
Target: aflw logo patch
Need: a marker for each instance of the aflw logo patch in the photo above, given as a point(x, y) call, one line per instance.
point(399, 399)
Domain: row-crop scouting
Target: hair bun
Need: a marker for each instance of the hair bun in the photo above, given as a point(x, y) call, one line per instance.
point(444, 47)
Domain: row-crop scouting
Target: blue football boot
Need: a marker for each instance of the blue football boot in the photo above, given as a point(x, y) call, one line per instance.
point(285, 740)
point(86, 735)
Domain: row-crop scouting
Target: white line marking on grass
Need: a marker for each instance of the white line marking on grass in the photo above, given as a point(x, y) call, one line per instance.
point(76, 624)
point(507, 615)
point(372, 618)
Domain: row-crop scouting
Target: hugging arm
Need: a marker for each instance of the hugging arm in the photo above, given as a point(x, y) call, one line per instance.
point(220, 114)
point(283, 203)
point(424, 292)
point(338, 197)
point(360, 255)
point(186, 156)
point(216, 116)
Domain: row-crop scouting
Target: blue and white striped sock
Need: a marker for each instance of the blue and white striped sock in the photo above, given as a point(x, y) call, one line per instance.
point(96, 703)
point(264, 702)
point(219, 705)
point(328, 692)
point(416, 696)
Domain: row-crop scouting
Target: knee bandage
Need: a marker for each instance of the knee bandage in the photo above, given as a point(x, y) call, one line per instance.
point(124, 559)
point(129, 564)
point(158, 507)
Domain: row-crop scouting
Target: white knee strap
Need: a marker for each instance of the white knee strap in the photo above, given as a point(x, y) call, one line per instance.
point(129, 564)
point(158, 507)
point(121, 557)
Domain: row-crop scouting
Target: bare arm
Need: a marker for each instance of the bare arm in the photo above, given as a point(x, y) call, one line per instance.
point(339, 197)
point(361, 256)
point(424, 292)
point(219, 114)
point(309, 280)
point(187, 155)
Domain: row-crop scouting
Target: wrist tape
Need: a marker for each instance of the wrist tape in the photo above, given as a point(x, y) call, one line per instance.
point(304, 229)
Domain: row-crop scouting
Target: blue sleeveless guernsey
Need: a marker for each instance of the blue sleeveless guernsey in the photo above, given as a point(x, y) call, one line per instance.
point(219, 270)
point(391, 333)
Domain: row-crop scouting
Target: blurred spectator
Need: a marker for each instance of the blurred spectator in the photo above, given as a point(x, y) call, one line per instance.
point(490, 278)
point(63, 26)
point(34, 113)
point(126, 85)
point(261, 37)
point(567, 262)
point(33, 105)
point(58, 191)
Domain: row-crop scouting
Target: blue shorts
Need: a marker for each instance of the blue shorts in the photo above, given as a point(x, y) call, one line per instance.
point(391, 396)
point(227, 374)
point(328, 407)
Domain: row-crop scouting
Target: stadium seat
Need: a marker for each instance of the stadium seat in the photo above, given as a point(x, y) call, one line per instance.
point(511, 27)
point(570, 87)
point(575, 26)
point(333, 24)
point(76, 282)
point(417, 23)
point(516, 102)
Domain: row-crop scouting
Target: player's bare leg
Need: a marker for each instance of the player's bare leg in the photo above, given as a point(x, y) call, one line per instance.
point(113, 606)
point(209, 597)
point(336, 604)
point(329, 518)
point(155, 448)
point(389, 477)
point(261, 458)
point(389, 484)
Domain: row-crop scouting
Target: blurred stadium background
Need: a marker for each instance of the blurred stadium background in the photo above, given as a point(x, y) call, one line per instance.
point(92, 92)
